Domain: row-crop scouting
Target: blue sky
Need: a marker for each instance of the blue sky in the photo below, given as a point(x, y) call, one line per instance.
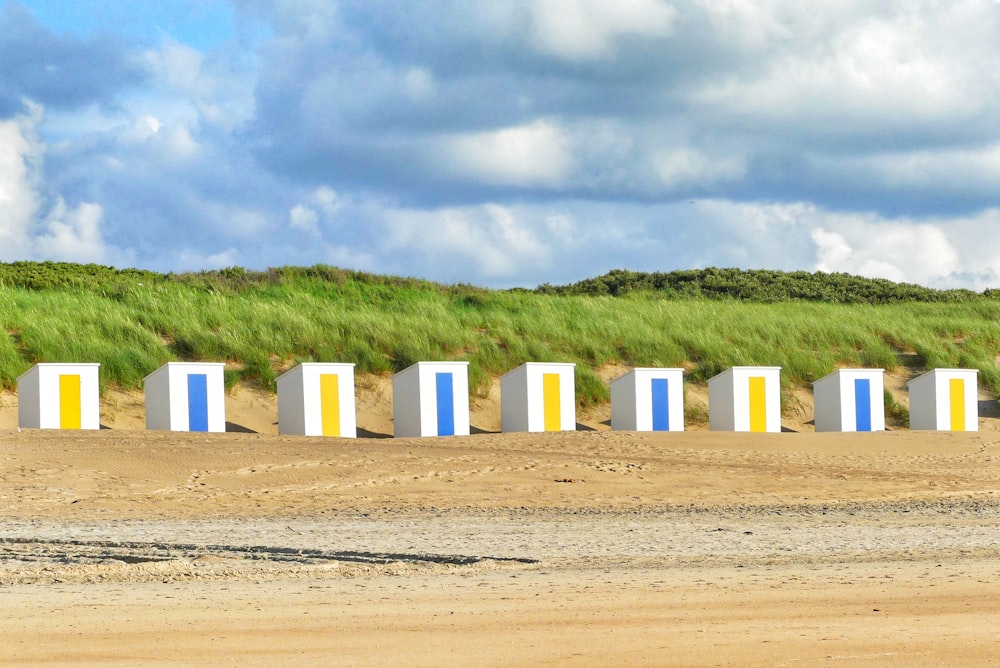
point(202, 24)
point(508, 143)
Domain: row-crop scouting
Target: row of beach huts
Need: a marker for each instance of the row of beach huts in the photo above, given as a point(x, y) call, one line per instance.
point(432, 399)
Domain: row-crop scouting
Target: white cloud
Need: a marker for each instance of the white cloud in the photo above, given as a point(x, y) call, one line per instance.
point(326, 199)
point(898, 251)
point(64, 233)
point(323, 205)
point(304, 219)
point(353, 258)
point(537, 154)
point(973, 169)
point(189, 88)
point(682, 167)
point(749, 24)
point(804, 236)
point(143, 127)
point(159, 142)
point(491, 238)
point(977, 246)
point(178, 144)
point(20, 157)
point(591, 29)
point(738, 234)
point(178, 64)
point(419, 82)
point(561, 226)
point(190, 259)
point(73, 235)
point(857, 67)
point(833, 250)
point(245, 222)
point(309, 19)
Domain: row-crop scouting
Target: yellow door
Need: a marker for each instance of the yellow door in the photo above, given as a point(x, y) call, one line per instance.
point(69, 401)
point(956, 388)
point(551, 401)
point(329, 401)
point(758, 403)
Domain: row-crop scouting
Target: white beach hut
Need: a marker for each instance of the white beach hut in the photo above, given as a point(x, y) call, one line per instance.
point(186, 396)
point(538, 396)
point(745, 398)
point(648, 399)
point(945, 400)
point(59, 396)
point(850, 400)
point(431, 399)
point(317, 399)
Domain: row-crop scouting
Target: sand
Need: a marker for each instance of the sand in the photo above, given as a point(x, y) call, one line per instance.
point(590, 548)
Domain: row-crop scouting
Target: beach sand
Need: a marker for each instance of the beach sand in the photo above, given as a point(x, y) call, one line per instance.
point(587, 548)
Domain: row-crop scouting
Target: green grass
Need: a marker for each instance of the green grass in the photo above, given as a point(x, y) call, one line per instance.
point(133, 322)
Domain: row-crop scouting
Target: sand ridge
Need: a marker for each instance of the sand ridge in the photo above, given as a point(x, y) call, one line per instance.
point(139, 474)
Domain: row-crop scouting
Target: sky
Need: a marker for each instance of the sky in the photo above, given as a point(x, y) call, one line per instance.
point(505, 143)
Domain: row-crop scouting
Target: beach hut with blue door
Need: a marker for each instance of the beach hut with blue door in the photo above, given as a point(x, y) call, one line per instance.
point(59, 396)
point(945, 400)
point(745, 398)
point(648, 399)
point(850, 400)
point(538, 396)
point(317, 399)
point(431, 399)
point(186, 396)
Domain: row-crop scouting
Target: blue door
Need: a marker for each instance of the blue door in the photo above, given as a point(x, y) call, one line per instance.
point(197, 402)
point(661, 405)
point(863, 404)
point(445, 404)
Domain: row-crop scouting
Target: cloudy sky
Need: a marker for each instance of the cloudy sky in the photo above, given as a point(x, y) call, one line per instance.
point(505, 143)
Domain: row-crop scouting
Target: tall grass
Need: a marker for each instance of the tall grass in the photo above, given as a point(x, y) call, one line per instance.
point(385, 325)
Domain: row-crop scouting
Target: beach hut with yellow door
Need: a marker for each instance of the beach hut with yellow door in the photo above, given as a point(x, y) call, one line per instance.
point(745, 398)
point(317, 399)
point(945, 400)
point(431, 399)
point(59, 396)
point(186, 396)
point(538, 396)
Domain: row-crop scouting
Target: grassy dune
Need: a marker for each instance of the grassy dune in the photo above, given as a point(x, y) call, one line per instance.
point(134, 321)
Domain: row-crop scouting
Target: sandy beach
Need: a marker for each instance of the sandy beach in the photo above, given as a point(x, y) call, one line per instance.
point(590, 548)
